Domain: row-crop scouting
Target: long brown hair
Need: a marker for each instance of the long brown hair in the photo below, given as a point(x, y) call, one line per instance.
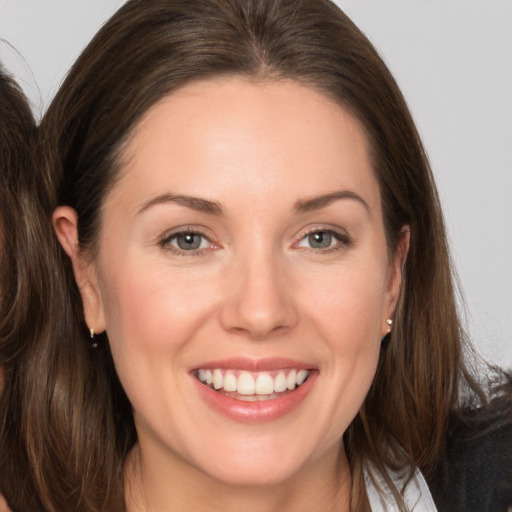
point(75, 420)
point(20, 258)
point(17, 130)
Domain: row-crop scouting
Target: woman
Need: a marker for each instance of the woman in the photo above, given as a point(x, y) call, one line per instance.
point(253, 305)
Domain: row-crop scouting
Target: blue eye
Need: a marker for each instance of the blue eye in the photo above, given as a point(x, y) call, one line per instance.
point(186, 241)
point(323, 239)
point(320, 240)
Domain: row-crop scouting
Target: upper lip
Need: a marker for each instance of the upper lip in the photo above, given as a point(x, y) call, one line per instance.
point(254, 365)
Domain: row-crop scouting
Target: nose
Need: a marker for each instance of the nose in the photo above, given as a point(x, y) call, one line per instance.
point(258, 299)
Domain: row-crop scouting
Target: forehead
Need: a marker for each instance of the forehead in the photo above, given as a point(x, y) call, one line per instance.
point(240, 134)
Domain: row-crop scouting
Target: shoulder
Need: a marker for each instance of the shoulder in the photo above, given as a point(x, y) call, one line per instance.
point(475, 472)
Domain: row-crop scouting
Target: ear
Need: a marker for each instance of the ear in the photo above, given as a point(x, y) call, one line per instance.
point(394, 284)
point(65, 224)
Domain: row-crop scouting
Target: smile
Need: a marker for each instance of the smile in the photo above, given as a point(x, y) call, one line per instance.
point(252, 386)
point(254, 391)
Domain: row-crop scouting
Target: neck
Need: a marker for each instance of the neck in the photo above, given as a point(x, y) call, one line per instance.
point(322, 485)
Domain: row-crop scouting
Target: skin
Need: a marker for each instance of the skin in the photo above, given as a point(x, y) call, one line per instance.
point(3, 505)
point(258, 288)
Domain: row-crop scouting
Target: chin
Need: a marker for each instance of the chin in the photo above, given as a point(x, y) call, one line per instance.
point(258, 470)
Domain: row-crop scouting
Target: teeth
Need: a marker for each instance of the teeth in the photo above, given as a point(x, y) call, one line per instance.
point(280, 383)
point(253, 386)
point(245, 385)
point(218, 380)
point(230, 382)
point(301, 377)
point(290, 380)
point(264, 384)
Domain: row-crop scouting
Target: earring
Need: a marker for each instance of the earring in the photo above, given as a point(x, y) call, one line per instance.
point(385, 338)
point(94, 343)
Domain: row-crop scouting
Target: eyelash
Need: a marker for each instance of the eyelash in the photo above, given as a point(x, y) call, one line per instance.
point(166, 243)
point(342, 242)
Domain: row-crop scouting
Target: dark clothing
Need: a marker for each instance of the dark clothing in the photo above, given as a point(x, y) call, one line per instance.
point(475, 473)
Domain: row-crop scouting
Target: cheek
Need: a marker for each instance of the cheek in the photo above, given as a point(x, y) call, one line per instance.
point(347, 313)
point(151, 316)
point(350, 319)
point(348, 304)
point(150, 310)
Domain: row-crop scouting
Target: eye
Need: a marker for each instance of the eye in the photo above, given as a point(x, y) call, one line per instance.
point(186, 241)
point(320, 240)
point(323, 240)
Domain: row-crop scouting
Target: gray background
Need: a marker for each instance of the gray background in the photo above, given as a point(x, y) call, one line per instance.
point(453, 61)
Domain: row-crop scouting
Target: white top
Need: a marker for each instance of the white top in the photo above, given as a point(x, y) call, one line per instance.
point(416, 494)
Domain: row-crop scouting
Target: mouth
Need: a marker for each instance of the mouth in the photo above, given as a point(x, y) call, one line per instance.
point(255, 391)
point(249, 386)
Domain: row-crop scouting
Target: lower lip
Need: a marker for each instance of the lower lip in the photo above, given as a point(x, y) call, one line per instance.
point(256, 412)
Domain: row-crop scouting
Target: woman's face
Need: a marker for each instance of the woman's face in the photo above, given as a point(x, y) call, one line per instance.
point(243, 249)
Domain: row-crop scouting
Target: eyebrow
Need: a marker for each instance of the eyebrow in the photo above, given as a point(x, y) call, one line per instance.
point(315, 203)
point(194, 203)
point(214, 208)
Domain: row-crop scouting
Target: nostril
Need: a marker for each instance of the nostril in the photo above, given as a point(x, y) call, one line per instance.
point(258, 303)
point(258, 321)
